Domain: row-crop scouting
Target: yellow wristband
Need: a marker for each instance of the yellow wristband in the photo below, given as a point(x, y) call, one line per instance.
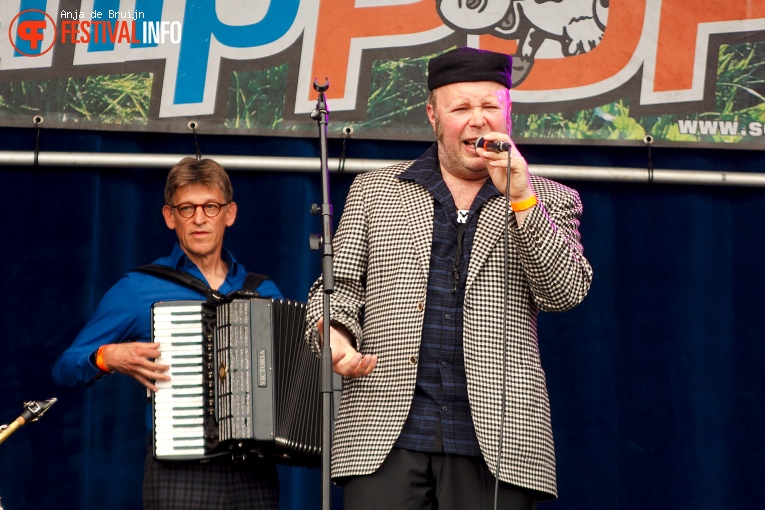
point(524, 204)
point(100, 359)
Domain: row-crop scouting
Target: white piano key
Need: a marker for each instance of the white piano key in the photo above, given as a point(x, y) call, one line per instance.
point(182, 360)
point(171, 433)
point(180, 444)
point(170, 344)
point(184, 449)
point(180, 454)
point(182, 366)
point(177, 309)
point(175, 402)
point(169, 413)
point(176, 330)
point(194, 329)
point(181, 354)
point(167, 320)
point(164, 315)
point(179, 373)
point(178, 421)
point(169, 395)
point(178, 380)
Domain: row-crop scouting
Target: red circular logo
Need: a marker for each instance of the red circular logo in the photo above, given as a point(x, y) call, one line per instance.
point(32, 31)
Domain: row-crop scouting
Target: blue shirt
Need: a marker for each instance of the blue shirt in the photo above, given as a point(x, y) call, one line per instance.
point(439, 418)
point(124, 313)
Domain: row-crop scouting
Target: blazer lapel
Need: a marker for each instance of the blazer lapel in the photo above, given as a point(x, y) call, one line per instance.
point(488, 234)
point(418, 204)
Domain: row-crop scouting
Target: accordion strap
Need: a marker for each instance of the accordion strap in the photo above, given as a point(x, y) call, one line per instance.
point(251, 281)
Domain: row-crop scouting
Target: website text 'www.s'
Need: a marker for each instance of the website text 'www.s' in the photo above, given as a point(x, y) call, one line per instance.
point(719, 127)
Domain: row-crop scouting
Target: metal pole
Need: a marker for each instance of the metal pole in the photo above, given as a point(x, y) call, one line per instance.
point(321, 115)
point(312, 164)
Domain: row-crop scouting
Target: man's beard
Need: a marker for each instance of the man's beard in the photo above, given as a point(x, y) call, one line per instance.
point(449, 157)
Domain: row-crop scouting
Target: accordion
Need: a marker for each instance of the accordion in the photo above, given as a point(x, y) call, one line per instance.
point(242, 379)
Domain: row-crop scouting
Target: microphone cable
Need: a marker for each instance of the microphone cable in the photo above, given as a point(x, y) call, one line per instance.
point(505, 315)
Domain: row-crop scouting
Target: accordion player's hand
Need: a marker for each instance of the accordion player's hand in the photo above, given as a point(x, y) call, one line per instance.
point(346, 360)
point(136, 359)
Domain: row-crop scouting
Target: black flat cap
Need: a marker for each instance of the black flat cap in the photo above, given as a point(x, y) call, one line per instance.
point(469, 64)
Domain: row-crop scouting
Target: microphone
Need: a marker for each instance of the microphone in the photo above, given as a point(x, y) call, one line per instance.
point(493, 146)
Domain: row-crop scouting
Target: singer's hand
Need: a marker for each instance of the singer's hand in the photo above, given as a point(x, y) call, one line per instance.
point(496, 164)
point(135, 359)
point(346, 360)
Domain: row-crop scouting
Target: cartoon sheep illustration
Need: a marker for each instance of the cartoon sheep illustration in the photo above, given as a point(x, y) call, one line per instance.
point(556, 27)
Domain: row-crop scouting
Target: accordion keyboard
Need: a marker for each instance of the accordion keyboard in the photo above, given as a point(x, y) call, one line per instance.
point(179, 402)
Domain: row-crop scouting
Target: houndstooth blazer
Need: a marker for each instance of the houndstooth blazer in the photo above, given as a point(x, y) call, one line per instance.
point(382, 252)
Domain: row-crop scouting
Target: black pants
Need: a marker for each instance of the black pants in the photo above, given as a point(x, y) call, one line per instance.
point(410, 480)
point(252, 484)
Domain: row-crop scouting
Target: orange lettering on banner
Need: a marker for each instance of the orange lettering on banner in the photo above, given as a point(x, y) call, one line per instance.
point(616, 49)
point(339, 22)
point(678, 31)
point(492, 43)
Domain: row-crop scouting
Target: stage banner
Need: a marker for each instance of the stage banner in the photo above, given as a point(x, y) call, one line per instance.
point(678, 72)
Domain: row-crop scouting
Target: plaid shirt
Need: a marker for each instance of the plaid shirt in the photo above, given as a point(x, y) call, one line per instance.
point(439, 419)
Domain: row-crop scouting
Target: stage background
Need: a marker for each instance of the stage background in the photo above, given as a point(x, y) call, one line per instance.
point(655, 380)
point(608, 71)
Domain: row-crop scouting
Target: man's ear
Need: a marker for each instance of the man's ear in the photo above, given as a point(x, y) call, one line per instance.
point(231, 214)
point(431, 116)
point(167, 212)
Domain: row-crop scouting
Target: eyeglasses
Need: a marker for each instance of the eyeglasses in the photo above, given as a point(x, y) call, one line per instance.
point(211, 209)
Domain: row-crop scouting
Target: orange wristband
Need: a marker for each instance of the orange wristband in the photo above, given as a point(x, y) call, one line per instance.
point(524, 204)
point(100, 359)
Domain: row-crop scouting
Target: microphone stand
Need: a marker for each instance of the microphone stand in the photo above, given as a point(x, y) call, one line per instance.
point(324, 243)
point(32, 412)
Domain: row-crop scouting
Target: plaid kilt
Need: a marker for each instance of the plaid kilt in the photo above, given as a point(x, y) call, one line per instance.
point(252, 484)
